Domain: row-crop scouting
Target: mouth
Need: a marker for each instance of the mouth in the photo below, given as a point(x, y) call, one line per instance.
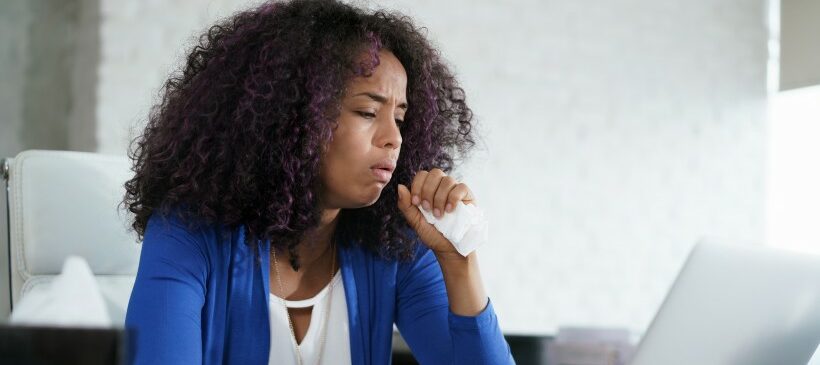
point(383, 170)
point(382, 174)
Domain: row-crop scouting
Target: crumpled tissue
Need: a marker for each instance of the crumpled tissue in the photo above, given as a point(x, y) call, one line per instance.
point(73, 298)
point(465, 226)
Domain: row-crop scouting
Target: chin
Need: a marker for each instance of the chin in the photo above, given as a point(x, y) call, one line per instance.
point(363, 196)
point(371, 202)
point(361, 204)
point(371, 198)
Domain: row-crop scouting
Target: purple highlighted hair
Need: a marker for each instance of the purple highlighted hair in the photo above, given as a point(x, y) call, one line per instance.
point(238, 134)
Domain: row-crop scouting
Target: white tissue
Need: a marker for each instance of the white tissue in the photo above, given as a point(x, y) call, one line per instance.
point(465, 226)
point(71, 299)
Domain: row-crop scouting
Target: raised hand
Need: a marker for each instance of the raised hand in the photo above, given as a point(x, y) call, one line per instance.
point(439, 194)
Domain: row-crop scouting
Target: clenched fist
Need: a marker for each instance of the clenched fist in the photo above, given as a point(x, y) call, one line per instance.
point(439, 194)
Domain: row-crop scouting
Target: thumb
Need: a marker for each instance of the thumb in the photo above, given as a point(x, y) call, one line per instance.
point(406, 206)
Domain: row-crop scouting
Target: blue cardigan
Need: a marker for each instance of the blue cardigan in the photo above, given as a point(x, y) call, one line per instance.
point(199, 299)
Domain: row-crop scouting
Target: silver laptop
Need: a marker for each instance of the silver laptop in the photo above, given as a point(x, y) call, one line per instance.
point(737, 305)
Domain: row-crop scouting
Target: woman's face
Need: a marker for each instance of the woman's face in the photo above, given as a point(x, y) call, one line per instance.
point(367, 135)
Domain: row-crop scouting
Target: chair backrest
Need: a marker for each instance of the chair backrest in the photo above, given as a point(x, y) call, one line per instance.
point(65, 203)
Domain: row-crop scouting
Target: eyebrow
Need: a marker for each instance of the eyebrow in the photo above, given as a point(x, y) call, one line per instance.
point(381, 99)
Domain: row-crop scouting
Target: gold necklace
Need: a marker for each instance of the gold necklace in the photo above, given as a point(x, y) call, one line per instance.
point(296, 346)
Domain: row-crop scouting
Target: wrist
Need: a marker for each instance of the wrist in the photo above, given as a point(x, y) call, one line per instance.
point(454, 262)
point(451, 256)
point(462, 278)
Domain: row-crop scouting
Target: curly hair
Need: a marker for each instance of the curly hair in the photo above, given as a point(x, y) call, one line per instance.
point(239, 132)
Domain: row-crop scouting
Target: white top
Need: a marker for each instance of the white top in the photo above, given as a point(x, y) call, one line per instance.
point(337, 341)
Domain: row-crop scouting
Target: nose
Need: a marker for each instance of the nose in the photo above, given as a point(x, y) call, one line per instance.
point(389, 133)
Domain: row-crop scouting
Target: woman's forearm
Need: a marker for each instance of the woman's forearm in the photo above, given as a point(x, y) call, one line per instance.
point(462, 278)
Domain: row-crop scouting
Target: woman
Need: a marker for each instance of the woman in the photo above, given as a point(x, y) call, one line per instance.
point(277, 189)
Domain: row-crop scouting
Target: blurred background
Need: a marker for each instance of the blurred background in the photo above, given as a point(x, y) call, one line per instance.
point(614, 134)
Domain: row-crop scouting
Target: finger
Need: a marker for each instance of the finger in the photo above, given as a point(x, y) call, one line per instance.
point(461, 193)
point(415, 186)
point(410, 211)
point(404, 200)
point(428, 190)
point(440, 200)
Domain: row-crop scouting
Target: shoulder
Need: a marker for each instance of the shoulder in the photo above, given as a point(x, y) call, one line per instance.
point(178, 233)
point(173, 223)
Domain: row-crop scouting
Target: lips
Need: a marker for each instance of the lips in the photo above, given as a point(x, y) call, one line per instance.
point(383, 169)
point(386, 164)
point(382, 175)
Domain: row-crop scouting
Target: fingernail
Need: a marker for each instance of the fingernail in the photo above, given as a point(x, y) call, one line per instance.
point(449, 207)
point(426, 205)
point(437, 213)
point(415, 200)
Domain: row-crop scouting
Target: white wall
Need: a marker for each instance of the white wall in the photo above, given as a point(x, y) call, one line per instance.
point(616, 134)
point(142, 42)
point(793, 189)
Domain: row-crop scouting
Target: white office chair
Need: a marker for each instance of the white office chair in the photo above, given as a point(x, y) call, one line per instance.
point(63, 203)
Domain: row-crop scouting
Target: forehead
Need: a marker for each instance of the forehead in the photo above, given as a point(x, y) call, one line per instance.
point(388, 77)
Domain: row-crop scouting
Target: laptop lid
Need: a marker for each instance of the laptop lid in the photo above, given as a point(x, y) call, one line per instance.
point(733, 305)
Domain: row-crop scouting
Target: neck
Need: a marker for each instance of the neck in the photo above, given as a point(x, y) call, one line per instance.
point(314, 247)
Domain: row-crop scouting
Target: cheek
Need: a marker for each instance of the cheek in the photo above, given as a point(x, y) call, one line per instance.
point(345, 169)
point(340, 170)
point(348, 184)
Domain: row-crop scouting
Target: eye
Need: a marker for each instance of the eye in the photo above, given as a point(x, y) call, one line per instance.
point(399, 122)
point(367, 115)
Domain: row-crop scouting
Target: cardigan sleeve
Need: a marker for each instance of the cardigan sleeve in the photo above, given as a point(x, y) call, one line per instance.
point(433, 332)
point(168, 295)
